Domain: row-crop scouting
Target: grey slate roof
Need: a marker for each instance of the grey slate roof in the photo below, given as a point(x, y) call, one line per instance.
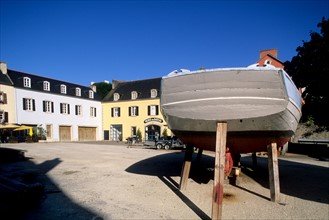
point(4, 79)
point(142, 87)
point(37, 85)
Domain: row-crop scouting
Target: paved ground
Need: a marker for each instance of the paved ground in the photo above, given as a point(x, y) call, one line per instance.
point(102, 181)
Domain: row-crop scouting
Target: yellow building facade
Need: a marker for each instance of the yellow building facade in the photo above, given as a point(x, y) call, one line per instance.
point(132, 109)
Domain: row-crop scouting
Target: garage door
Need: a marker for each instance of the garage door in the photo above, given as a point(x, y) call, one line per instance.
point(64, 133)
point(87, 134)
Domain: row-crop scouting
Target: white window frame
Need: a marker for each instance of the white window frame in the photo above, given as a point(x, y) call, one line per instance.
point(153, 110)
point(65, 108)
point(3, 98)
point(2, 116)
point(77, 91)
point(92, 112)
point(78, 110)
point(134, 95)
point(46, 86)
point(116, 112)
point(154, 93)
point(63, 89)
point(48, 106)
point(28, 104)
point(27, 82)
point(133, 111)
point(116, 96)
point(91, 94)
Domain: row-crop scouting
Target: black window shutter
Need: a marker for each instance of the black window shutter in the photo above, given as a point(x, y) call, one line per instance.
point(4, 98)
point(33, 104)
point(136, 110)
point(24, 103)
point(44, 106)
point(61, 108)
point(76, 110)
point(68, 108)
point(95, 112)
point(129, 111)
point(112, 112)
point(6, 117)
point(118, 112)
point(148, 110)
point(156, 110)
point(52, 107)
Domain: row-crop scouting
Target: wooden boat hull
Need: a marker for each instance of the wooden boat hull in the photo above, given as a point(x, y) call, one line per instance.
point(261, 106)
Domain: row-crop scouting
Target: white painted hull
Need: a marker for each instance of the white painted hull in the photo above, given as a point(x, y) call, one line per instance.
point(256, 103)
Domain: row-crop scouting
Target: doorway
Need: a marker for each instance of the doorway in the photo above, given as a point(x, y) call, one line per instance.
point(152, 132)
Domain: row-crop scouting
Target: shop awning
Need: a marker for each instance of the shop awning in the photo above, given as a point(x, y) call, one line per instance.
point(8, 126)
point(24, 127)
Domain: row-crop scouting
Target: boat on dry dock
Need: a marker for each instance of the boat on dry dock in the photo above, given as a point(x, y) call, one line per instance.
point(261, 105)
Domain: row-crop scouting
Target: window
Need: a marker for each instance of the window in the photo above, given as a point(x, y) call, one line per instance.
point(92, 112)
point(78, 110)
point(133, 111)
point(77, 91)
point(116, 96)
point(115, 112)
point(63, 89)
point(152, 110)
point(3, 98)
point(267, 62)
point(154, 93)
point(46, 86)
point(3, 116)
point(91, 94)
point(48, 106)
point(134, 95)
point(28, 104)
point(65, 108)
point(27, 82)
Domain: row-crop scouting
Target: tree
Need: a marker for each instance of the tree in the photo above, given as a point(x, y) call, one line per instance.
point(310, 69)
point(102, 88)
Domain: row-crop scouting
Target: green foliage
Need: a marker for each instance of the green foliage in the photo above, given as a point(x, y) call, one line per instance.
point(310, 69)
point(165, 134)
point(138, 134)
point(102, 88)
point(310, 121)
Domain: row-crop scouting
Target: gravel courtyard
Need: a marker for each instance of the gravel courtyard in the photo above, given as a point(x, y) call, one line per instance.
point(110, 181)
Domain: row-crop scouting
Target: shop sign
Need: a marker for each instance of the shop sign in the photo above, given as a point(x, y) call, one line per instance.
point(153, 119)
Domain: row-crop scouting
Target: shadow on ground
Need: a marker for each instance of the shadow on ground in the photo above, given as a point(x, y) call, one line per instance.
point(26, 192)
point(300, 180)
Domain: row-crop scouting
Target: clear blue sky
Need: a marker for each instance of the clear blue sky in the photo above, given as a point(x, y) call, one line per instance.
point(84, 41)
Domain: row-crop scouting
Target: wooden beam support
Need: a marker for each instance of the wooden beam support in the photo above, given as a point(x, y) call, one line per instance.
point(273, 170)
point(186, 167)
point(217, 197)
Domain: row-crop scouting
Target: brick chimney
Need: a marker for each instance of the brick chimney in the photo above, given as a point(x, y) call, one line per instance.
point(3, 67)
point(273, 52)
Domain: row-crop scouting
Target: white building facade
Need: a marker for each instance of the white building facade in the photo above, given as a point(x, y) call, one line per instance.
point(65, 111)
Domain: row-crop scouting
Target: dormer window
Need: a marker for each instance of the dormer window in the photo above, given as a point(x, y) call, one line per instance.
point(91, 94)
point(116, 96)
point(27, 82)
point(46, 86)
point(77, 91)
point(267, 62)
point(63, 89)
point(154, 93)
point(134, 95)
